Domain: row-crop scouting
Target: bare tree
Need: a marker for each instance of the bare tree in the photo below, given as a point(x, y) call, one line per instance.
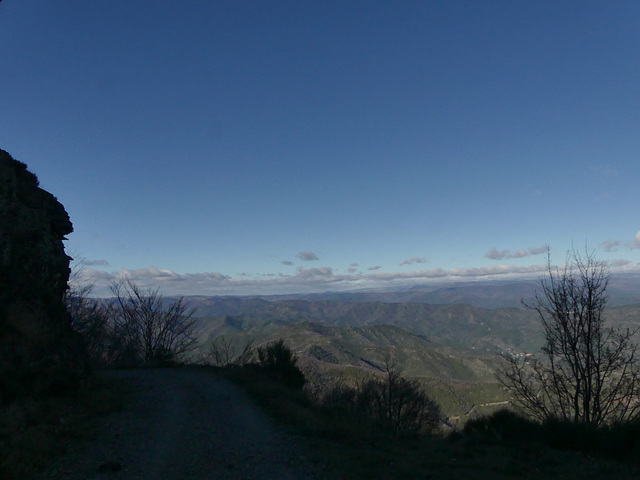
point(89, 316)
point(147, 330)
point(246, 354)
point(222, 352)
point(587, 372)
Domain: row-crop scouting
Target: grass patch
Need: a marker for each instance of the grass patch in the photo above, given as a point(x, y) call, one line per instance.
point(36, 430)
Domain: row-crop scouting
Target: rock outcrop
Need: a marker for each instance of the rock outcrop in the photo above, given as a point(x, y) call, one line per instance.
point(39, 350)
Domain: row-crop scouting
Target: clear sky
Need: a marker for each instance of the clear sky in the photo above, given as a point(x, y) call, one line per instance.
point(247, 147)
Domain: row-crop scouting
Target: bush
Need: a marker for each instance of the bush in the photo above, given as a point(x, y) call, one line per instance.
point(568, 435)
point(621, 441)
point(399, 405)
point(279, 360)
point(393, 404)
point(505, 425)
point(341, 397)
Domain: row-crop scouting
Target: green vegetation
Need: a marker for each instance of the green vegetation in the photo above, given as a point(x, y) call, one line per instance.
point(500, 446)
point(278, 359)
point(459, 325)
point(460, 380)
point(389, 403)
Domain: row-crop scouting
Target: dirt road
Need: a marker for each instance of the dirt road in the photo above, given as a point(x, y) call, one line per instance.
point(186, 424)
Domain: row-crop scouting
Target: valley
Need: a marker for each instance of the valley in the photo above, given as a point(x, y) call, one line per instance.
point(453, 349)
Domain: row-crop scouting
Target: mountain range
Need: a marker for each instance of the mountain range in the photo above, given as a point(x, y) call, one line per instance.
point(450, 338)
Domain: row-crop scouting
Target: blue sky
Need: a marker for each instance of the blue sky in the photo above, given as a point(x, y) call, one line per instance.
point(252, 147)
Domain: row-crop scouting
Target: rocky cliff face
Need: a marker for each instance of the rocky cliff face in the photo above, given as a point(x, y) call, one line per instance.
point(38, 348)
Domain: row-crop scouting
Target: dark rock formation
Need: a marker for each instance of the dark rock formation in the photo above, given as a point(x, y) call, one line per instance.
point(39, 350)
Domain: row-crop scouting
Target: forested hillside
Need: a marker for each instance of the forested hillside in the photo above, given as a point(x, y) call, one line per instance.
point(453, 349)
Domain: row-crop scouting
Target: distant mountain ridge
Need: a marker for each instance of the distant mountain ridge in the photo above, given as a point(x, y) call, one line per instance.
point(458, 325)
point(486, 295)
point(624, 289)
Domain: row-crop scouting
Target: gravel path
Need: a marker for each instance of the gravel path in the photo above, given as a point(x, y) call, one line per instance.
point(186, 424)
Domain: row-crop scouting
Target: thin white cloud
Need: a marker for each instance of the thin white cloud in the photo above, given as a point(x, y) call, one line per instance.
point(495, 254)
point(620, 263)
point(305, 280)
point(496, 270)
point(91, 276)
point(610, 245)
point(320, 272)
point(390, 277)
point(95, 263)
point(624, 266)
point(149, 276)
point(538, 250)
point(308, 256)
point(413, 260)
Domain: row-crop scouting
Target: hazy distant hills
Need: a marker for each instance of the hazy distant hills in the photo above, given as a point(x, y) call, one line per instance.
point(486, 295)
point(452, 349)
point(624, 289)
point(454, 316)
point(457, 325)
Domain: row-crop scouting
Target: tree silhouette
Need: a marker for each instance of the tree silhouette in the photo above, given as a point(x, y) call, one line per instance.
point(147, 330)
point(587, 372)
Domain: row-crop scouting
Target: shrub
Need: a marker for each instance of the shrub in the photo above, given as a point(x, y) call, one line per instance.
point(505, 425)
point(621, 441)
point(392, 404)
point(399, 405)
point(278, 359)
point(340, 397)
